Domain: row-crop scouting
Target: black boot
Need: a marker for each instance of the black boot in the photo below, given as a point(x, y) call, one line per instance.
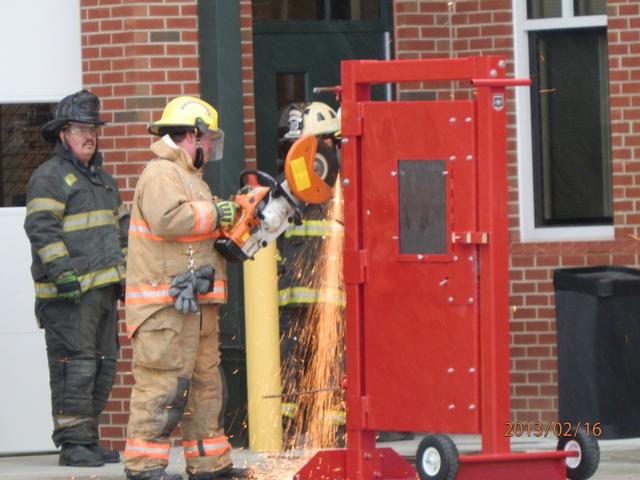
point(157, 474)
point(228, 473)
point(109, 456)
point(79, 456)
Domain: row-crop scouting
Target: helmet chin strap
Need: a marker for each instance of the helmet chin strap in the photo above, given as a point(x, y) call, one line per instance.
point(201, 128)
point(199, 160)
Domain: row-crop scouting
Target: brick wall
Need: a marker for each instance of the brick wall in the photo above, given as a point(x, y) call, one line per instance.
point(427, 28)
point(249, 111)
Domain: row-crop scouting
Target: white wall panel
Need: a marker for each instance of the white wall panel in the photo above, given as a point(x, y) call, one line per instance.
point(25, 418)
point(40, 57)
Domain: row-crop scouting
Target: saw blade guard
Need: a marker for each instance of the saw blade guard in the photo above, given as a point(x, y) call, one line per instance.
point(311, 170)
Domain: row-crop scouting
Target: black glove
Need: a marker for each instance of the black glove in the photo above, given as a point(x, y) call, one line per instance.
point(204, 279)
point(68, 287)
point(182, 288)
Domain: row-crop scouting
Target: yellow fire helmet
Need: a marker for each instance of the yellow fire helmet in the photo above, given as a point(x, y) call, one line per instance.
point(185, 113)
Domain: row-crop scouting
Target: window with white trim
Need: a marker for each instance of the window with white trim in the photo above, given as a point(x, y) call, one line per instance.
point(564, 151)
point(36, 75)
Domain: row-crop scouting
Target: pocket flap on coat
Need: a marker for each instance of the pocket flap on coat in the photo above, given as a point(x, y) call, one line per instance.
point(166, 318)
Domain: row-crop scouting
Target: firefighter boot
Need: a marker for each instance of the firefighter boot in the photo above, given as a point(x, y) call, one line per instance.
point(79, 456)
point(109, 456)
point(229, 473)
point(156, 474)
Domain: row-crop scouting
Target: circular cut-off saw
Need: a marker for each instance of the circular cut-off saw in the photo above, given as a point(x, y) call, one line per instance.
point(268, 207)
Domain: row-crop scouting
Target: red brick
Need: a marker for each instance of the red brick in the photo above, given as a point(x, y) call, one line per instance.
point(188, 9)
point(165, 62)
point(184, 23)
point(164, 10)
point(181, 49)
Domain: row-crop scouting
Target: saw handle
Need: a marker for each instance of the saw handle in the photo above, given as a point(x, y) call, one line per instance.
point(263, 178)
point(266, 180)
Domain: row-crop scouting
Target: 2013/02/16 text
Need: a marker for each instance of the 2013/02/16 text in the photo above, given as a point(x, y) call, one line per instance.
point(545, 429)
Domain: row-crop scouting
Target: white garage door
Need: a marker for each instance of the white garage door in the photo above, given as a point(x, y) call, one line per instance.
point(25, 409)
point(34, 77)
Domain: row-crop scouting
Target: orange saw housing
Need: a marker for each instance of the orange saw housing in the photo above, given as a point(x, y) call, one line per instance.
point(304, 182)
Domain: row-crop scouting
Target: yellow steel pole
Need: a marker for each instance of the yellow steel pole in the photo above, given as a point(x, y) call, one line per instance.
point(263, 351)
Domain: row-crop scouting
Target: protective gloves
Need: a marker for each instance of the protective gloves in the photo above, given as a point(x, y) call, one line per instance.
point(226, 213)
point(204, 279)
point(68, 287)
point(182, 288)
point(186, 300)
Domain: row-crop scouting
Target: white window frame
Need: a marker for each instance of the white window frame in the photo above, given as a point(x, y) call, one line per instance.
point(521, 28)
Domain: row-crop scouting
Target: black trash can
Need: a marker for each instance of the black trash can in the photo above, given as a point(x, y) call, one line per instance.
point(598, 331)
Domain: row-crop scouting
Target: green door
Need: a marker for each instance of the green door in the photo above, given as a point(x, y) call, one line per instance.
point(291, 58)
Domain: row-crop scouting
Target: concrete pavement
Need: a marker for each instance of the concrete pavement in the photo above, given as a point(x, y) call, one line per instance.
point(620, 460)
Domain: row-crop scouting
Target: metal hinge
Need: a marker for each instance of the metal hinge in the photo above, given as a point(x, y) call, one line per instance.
point(470, 237)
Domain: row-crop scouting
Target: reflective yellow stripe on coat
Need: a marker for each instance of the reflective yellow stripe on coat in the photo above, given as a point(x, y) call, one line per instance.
point(333, 296)
point(46, 205)
point(87, 281)
point(86, 220)
point(314, 228)
point(52, 252)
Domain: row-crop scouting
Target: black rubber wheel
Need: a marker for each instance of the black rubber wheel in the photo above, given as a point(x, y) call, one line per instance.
point(326, 164)
point(437, 458)
point(586, 463)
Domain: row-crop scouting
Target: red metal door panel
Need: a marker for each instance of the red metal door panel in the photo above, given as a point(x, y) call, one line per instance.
point(420, 290)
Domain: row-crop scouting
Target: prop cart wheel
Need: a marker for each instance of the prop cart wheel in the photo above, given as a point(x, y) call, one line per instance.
point(437, 458)
point(586, 463)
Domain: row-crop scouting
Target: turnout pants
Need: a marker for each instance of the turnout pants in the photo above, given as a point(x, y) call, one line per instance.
point(176, 367)
point(82, 346)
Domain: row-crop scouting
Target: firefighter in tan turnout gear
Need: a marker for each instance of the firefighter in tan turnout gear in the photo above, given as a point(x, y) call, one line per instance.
point(77, 227)
point(176, 283)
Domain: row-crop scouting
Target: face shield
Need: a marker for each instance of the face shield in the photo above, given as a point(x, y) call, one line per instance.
point(216, 138)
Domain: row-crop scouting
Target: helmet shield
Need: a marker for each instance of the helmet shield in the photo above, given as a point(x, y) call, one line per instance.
point(217, 144)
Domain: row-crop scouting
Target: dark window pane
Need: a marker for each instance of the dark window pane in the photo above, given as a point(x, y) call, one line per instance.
point(544, 8)
point(282, 10)
point(290, 88)
point(22, 148)
point(422, 207)
point(570, 125)
point(590, 7)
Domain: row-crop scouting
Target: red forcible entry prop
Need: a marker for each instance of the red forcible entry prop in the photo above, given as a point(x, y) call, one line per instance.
point(426, 272)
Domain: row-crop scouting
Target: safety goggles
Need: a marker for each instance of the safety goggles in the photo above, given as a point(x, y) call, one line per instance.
point(82, 130)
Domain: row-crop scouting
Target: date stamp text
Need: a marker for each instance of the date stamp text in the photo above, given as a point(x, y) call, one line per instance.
point(551, 429)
